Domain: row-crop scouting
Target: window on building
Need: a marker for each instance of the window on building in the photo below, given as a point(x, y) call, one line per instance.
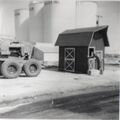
point(91, 52)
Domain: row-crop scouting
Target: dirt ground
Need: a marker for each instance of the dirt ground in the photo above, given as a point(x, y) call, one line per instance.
point(51, 85)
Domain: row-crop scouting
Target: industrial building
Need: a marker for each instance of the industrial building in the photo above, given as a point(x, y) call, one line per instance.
point(41, 21)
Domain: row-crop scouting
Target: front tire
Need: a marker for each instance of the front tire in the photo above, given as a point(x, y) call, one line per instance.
point(10, 69)
point(32, 68)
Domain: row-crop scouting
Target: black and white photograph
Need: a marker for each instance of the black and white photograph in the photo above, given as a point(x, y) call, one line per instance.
point(59, 59)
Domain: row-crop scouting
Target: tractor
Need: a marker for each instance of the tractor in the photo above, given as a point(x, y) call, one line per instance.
point(17, 57)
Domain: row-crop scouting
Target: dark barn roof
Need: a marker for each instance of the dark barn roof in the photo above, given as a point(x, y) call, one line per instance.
point(82, 36)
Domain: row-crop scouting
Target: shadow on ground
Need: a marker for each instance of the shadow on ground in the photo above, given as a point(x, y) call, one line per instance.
point(90, 103)
point(105, 104)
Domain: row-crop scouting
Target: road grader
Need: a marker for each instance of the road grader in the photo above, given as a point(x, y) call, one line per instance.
point(16, 58)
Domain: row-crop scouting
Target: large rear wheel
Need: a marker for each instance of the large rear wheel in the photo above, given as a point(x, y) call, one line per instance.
point(10, 69)
point(32, 68)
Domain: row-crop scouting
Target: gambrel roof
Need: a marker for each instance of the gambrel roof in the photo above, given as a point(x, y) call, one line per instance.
point(82, 36)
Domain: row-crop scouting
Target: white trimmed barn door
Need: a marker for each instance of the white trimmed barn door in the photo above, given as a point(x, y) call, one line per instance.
point(69, 59)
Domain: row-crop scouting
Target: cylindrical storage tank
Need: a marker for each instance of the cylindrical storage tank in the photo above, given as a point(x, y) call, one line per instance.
point(22, 25)
point(58, 16)
point(1, 12)
point(86, 14)
point(36, 21)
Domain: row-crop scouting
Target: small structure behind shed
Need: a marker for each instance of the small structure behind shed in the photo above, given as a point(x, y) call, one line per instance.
point(81, 50)
point(50, 53)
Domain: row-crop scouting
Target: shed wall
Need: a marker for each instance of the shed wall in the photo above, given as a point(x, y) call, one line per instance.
point(99, 44)
point(81, 60)
point(61, 58)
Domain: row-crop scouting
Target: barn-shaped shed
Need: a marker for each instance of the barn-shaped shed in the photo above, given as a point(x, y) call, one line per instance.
point(82, 49)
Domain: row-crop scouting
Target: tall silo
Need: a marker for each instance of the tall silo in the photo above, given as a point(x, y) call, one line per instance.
point(36, 21)
point(1, 12)
point(86, 14)
point(58, 16)
point(22, 25)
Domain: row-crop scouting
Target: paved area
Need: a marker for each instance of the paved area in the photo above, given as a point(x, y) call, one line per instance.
point(51, 84)
point(97, 105)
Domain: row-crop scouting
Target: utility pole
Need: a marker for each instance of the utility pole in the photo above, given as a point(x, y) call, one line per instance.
point(98, 19)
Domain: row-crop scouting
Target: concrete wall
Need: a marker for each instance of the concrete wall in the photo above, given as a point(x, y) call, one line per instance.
point(7, 21)
point(22, 25)
point(36, 22)
point(58, 16)
point(110, 12)
point(67, 14)
point(85, 14)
